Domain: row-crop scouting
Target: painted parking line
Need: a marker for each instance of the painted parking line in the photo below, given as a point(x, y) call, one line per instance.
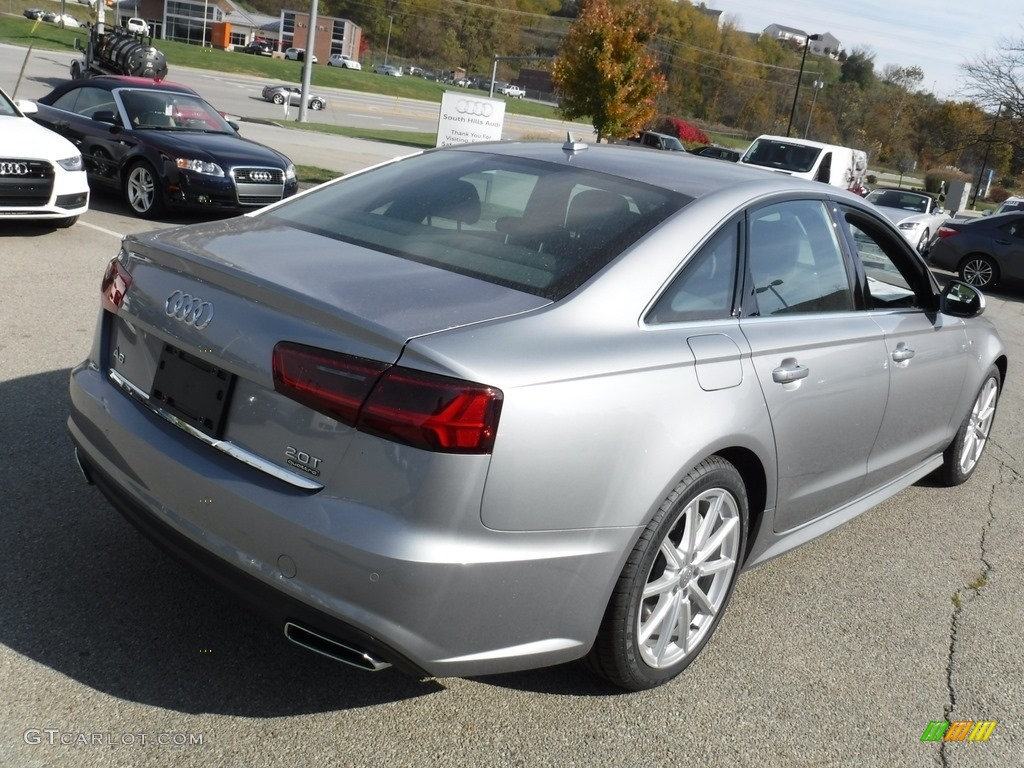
point(104, 230)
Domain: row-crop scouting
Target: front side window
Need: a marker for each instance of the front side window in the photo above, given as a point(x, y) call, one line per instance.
point(896, 277)
point(795, 260)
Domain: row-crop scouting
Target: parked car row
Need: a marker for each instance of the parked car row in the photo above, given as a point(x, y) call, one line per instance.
point(51, 16)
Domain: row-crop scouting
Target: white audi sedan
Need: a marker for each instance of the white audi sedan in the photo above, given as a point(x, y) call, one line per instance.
point(41, 174)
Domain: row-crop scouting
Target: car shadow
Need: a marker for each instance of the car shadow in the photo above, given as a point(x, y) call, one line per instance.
point(109, 201)
point(89, 597)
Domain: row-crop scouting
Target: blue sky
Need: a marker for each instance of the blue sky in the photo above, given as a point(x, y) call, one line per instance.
point(936, 35)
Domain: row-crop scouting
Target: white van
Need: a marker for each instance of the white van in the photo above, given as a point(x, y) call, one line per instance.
point(829, 163)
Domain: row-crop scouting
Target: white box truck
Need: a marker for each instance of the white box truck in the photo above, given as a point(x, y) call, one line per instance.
point(842, 167)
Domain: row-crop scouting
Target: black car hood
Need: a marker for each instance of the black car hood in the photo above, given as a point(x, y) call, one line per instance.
point(224, 149)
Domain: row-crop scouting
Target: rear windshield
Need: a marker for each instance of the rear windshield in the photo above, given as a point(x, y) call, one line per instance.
point(543, 228)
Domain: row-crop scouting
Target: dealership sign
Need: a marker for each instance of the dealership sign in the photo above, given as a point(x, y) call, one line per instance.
point(465, 119)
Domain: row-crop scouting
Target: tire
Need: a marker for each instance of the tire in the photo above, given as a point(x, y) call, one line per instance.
point(67, 221)
point(316, 105)
point(631, 651)
point(76, 70)
point(979, 270)
point(278, 98)
point(961, 458)
point(142, 191)
point(922, 244)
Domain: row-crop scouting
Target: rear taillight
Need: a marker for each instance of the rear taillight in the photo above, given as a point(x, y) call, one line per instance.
point(424, 410)
point(115, 284)
point(435, 413)
point(326, 381)
point(945, 231)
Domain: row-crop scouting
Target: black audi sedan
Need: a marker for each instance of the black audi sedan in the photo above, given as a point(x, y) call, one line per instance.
point(164, 147)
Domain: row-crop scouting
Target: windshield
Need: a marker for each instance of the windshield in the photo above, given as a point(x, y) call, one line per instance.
point(167, 110)
point(782, 155)
point(543, 228)
point(7, 108)
point(892, 198)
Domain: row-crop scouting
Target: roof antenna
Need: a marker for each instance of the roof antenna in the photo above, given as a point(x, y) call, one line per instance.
point(571, 144)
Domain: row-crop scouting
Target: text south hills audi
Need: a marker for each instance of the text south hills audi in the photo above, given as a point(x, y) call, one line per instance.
point(507, 405)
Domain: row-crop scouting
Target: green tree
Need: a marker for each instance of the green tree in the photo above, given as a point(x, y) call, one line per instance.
point(604, 71)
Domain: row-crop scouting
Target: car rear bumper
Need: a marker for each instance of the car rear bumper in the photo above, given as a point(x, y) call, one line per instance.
point(464, 601)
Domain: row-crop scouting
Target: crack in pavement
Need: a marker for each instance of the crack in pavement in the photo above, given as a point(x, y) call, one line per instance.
point(961, 598)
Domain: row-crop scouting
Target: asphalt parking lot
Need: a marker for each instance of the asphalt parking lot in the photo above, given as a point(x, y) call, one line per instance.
point(837, 654)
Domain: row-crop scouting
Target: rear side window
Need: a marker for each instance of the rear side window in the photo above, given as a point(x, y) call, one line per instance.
point(543, 228)
point(704, 289)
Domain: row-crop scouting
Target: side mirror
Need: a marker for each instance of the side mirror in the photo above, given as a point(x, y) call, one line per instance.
point(237, 128)
point(27, 107)
point(961, 300)
point(105, 116)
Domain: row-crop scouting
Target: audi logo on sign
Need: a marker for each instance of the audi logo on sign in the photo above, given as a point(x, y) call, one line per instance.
point(474, 107)
point(189, 309)
point(13, 169)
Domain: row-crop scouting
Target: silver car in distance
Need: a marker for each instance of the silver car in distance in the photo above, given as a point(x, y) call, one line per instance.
point(500, 406)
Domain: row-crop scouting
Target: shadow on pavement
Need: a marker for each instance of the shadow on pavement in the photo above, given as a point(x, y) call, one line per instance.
point(88, 596)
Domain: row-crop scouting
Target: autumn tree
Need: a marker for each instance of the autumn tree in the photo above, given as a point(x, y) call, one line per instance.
point(604, 71)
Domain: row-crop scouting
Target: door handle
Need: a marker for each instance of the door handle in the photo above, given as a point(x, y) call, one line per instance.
point(902, 353)
point(789, 371)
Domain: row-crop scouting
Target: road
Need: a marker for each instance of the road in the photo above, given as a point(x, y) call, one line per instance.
point(240, 96)
point(837, 654)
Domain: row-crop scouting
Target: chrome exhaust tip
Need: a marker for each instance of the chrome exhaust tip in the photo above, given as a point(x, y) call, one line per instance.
point(326, 646)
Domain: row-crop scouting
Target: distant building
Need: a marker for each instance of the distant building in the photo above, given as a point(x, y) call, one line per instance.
point(785, 34)
point(223, 24)
point(827, 44)
point(710, 13)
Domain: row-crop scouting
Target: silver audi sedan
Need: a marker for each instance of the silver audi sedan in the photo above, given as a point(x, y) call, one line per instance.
point(500, 406)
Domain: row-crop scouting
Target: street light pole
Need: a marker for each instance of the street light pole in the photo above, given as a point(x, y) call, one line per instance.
point(391, 20)
point(817, 85)
point(803, 60)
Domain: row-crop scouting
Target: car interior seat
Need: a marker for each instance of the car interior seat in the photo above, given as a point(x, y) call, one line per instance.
point(595, 217)
point(453, 200)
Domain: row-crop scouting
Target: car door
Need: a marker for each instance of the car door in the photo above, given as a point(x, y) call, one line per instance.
point(74, 115)
point(820, 362)
point(1008, 248)
point(927, 353)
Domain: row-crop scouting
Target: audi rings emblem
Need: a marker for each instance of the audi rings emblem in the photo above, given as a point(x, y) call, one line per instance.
point(261, 176)
point(191, 310)
point(13, 169)
point(474, 107)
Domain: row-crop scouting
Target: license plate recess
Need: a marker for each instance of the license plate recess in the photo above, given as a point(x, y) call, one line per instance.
point(193, 390)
